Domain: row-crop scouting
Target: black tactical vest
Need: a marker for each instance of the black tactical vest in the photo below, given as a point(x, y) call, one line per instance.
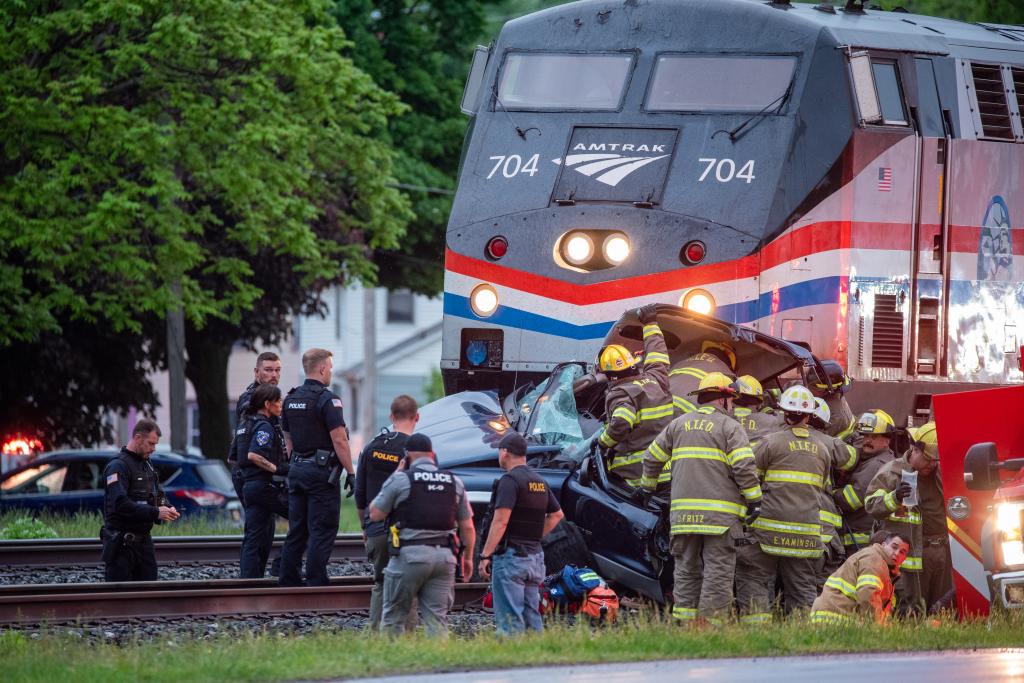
point(242, 439)
point(306, 428)
point(526, 523)
point(381, 457)
point(432, 503)
point(141, 487)
point(277, 448)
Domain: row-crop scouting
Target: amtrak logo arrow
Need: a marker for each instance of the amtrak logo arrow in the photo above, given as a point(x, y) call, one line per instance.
point(609, 169)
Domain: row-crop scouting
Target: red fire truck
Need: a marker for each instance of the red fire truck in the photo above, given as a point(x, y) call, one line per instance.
point(981, 450)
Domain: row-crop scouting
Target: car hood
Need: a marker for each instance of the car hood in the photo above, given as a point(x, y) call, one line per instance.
point(464, 428)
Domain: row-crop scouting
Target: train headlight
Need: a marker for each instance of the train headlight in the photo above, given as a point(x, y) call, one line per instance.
point(698, 301)
point(579, 248)
point(616, 248)
point(483, 300)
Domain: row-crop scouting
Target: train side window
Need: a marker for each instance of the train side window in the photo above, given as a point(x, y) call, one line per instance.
point(890, 97)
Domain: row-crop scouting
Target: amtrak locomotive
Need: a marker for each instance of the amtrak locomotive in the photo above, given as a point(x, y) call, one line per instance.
point(848, 179)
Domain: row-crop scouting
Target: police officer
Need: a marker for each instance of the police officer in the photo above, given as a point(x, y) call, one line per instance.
point(267, 371)
point(264, 465)
point(314, 432)
point(378, 460)
point(424, 506)
point(523, 511)
point(132, 503)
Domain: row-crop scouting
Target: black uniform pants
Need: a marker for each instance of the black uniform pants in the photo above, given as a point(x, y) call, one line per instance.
point(238, 481)
point(313, 508)
point(132, 561)
point(263, 502)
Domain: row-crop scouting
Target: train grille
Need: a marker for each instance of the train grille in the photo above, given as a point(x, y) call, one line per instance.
point(1018, 86)
point(887, 333)
point(991, 93)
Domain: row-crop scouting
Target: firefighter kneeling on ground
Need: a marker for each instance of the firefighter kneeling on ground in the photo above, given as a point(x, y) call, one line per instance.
point(638, 404)
point(714, 487)
point(863, 587)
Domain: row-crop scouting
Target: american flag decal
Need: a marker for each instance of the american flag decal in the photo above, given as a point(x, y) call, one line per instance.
point(884, 179)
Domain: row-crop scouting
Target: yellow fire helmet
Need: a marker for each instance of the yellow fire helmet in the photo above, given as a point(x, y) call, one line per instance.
point(876, 422)
point(926, 437)
point(717, 383)
point(724, 347)
point(749, 386)
point(617, 358)
point(797, 399)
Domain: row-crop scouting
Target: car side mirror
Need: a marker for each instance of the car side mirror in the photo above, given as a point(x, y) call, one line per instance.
point(585, 478)
point(981, 467)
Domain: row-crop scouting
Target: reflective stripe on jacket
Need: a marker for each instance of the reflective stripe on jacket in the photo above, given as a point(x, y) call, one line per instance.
point(685, 376)
point(638, 409)
point(712, 472)
point(862, 588)
point(881, 504)
point(850, 498)
point(795, 465)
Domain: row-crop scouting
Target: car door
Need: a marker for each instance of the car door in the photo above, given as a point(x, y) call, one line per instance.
point(38, 487)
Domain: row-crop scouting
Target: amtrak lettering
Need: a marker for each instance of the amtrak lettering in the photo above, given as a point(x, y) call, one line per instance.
point(616, 164)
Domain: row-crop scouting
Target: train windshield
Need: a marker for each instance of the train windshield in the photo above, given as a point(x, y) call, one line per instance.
point(536, 81)
point(746, 83)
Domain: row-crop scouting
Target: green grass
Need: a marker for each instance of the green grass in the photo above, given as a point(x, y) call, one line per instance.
point(353, 654)
point(87, 525)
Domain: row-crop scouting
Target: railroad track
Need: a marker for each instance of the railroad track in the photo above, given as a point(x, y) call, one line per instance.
point(90, 602)
point(75, 552)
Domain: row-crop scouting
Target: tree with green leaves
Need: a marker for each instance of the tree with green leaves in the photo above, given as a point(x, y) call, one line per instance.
point(148, 147)
point(420, 51)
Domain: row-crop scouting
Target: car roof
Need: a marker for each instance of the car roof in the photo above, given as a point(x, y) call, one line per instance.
point(165, 458)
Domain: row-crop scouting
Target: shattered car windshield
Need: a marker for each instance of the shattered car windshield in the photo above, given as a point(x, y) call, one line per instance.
point(555, 420)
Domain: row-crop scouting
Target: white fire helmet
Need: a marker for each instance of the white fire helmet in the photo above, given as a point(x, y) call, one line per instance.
point(797, 399)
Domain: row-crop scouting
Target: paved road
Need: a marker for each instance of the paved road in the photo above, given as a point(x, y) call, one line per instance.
point(984, 666)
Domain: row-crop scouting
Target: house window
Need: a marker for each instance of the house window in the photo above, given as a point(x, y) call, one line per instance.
point(400, 307)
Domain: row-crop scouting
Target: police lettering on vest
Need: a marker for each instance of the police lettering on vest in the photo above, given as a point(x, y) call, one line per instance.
point(381, 458)
point(526, 521)
point(307, 430)
point(432, 503)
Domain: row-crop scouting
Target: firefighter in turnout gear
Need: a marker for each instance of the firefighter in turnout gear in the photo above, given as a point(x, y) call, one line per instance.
point(841, 422)
point(936, 577)
point(748, 413)
point(686, 375)
point(785, 541)
point(714, 488)
point(891, 501)
point(843, 460)
point(425, 508)
point(875, 429)
point(638, 404)
point(862, 588)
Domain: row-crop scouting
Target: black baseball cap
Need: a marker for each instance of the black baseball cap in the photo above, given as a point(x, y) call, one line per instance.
point(515, 443)
point(418, 443)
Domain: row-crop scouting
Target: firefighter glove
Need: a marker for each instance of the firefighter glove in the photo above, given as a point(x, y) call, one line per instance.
point(902, 491)
point(753, 512)
point(350, 484)
point(647, 314)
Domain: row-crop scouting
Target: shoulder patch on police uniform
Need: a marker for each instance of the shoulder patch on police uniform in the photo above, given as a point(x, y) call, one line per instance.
point(337, 402)
point(262, 438)
point(112, 478)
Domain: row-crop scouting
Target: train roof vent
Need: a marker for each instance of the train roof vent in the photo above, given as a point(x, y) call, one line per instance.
point(887, 333)
point(992, 105)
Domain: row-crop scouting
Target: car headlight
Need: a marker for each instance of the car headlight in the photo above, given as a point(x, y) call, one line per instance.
point(698, 301)
point(483, 300)
point(616, 248)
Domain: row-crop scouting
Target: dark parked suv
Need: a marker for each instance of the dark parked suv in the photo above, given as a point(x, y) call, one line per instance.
point(621, 535)
point(71, 481)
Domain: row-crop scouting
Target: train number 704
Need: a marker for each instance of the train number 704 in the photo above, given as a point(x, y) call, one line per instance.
point(725, 170)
